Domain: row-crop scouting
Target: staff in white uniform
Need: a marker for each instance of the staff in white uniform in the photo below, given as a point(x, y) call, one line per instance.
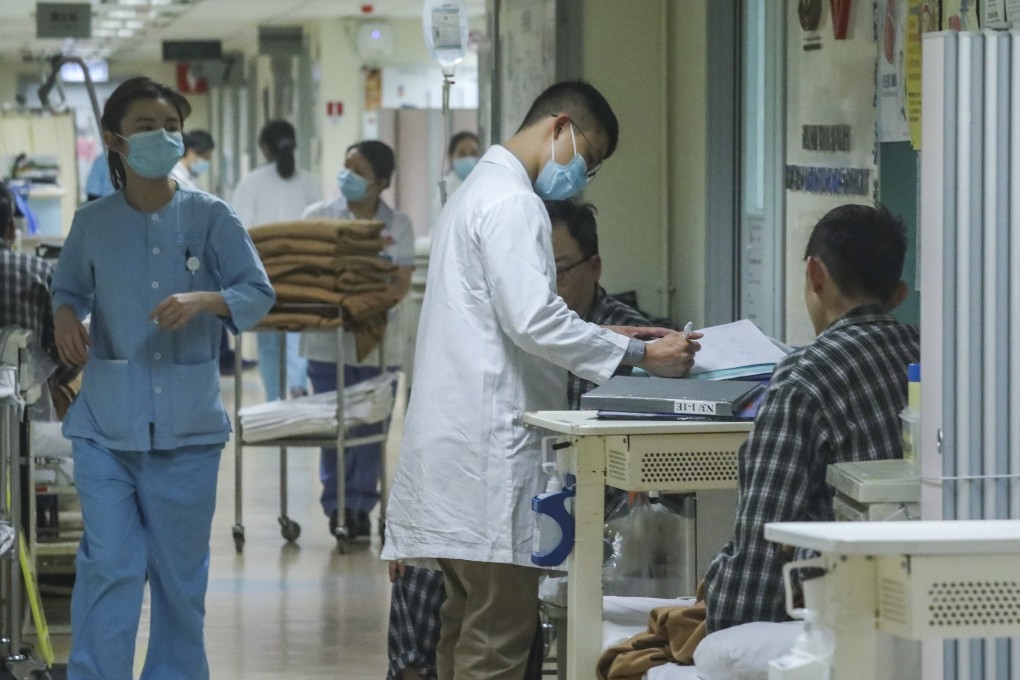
point(277, 192)
point(198, 148)
point(493, 342)
point(368, 167)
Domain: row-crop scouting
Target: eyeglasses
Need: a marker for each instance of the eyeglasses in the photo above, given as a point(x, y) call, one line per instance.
point(591, 171)
point(561, 271)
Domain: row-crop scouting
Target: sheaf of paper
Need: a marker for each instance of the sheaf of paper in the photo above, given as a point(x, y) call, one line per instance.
point(732, 345)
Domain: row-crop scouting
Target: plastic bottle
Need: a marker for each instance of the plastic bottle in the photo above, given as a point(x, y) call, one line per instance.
point(911, 419)
point(554, 535)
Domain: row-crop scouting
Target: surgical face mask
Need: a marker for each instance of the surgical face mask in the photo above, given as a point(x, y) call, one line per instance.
point(463, 166)
point(199, 167)
point(557, 182)
point(154, 153)
point(353, 186)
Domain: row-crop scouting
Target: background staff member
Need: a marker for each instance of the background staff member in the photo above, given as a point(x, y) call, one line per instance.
point(368, 168)
point(277, 192)
point(198, 148)
point(494, 341)
point(160, 268)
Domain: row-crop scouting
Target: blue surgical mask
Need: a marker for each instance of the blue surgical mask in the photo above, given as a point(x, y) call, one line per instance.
point(352, 185)
point(557, 182)
point(153, 154)
point(199, 167)
point(463, 166)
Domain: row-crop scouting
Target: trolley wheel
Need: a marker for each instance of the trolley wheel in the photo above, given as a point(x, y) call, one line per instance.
point(238, 532)
point(340, 533)
point(289, 529)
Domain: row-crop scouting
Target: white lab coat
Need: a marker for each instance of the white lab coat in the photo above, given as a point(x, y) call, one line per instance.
point(263, 197)
point(493, 342)
point(183, 177)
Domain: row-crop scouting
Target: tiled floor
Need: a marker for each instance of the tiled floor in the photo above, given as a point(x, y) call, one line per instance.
point(282, 610)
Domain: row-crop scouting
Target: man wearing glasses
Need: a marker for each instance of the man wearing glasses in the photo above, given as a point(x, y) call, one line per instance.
point(493, 343)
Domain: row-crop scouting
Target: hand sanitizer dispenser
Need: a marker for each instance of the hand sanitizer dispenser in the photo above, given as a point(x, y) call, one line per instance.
point(554, 535)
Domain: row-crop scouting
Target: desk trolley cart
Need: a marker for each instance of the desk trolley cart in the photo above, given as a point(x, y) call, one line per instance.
point(290, 529)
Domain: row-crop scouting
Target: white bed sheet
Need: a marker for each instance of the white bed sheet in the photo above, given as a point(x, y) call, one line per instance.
point(741, 652)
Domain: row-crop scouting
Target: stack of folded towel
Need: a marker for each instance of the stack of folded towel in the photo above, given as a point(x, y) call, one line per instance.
point(333, 262)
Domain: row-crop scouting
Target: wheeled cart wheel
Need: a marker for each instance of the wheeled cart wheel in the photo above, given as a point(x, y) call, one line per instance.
point(238, 532)
point(289, 529)
point(340, 533)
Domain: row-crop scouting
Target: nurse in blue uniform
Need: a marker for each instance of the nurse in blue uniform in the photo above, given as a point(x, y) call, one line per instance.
point(161, 269)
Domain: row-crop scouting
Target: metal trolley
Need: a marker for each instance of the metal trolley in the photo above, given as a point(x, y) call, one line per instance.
point(17, 658)
point(290, 529)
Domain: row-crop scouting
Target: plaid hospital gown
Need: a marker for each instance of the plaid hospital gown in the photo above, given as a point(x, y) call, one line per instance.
point(835, 400)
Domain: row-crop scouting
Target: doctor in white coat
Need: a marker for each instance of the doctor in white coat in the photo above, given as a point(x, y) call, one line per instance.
point(493, 342)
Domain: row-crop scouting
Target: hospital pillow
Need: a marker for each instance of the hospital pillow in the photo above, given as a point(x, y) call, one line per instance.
point(743, 652)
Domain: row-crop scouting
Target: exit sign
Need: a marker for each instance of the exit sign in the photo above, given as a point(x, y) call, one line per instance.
point(63, 20)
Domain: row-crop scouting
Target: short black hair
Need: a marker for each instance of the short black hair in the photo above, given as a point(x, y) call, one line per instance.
point(199, 140)
point(583, 103)
point(379, 155)
point(458, 138)
point(863, 247)
point(579, 219)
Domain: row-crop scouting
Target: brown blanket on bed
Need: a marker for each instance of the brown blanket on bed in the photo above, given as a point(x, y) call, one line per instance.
point(673, 635)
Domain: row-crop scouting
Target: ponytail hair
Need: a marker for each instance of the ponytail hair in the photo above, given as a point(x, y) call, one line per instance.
point(278, 139)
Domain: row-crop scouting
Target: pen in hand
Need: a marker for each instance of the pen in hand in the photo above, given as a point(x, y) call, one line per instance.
point(688, 329)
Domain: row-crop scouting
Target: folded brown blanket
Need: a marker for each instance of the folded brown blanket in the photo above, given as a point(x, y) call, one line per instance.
point(293, 321)
point(365, 263)
point(287, 292)
point(321, 229)
point(673, 635)
point(356, 287)
point(274, 247)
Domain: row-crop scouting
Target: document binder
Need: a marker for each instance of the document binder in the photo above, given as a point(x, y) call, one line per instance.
point(671, 396)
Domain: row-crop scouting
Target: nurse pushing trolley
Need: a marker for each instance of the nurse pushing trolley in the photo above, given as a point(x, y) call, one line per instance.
point(161, 269)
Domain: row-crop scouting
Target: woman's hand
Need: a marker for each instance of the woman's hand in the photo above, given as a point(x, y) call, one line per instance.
point(71, 338)
point(178, 309)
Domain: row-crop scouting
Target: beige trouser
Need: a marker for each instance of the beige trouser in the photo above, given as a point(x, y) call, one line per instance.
point(488, 620)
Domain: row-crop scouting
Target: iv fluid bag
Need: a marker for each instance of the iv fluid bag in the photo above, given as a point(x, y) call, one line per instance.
point(445, 25)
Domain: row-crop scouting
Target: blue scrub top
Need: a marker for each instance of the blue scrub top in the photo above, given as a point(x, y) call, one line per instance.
point(99, 182)
point(146, 388)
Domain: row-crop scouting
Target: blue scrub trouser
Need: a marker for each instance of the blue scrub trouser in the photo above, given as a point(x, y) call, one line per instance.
point(362, 464)
point(269, 364)
point(147, 514)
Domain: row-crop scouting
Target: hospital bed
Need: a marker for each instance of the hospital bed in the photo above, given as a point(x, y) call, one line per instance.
point(325, 435)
